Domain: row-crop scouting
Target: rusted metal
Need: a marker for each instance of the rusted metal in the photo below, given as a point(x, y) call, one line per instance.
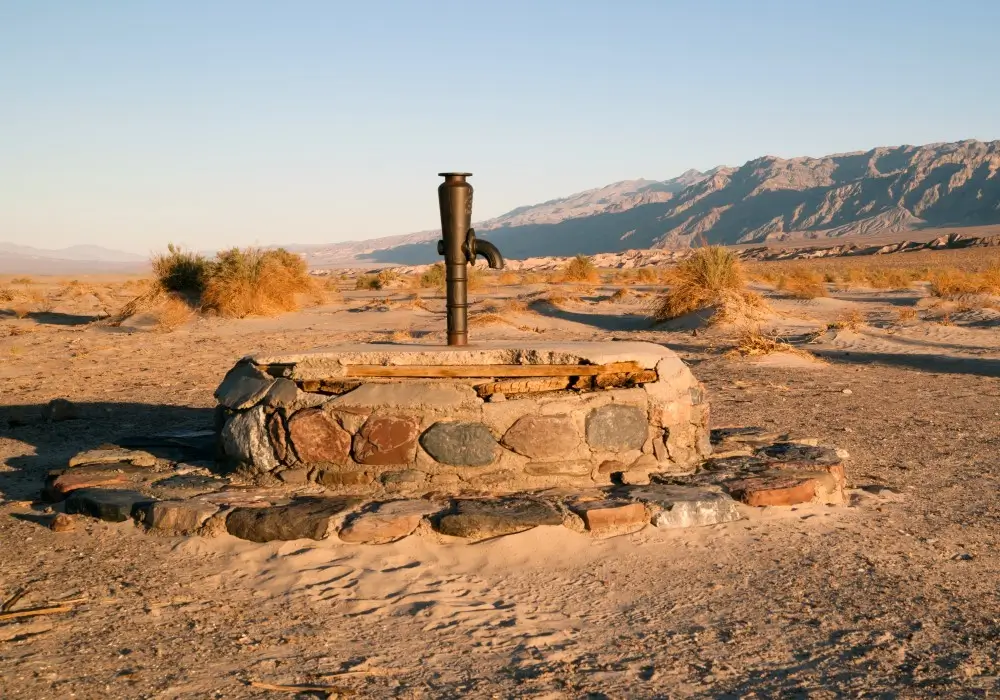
point(459, 246)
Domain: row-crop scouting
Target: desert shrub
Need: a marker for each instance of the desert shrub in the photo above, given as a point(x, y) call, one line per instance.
point(368, 282)
point(387, 276)
point(645, 275)
point(802, 283)
point(711, 276)
point(433, 276)
point(509, 278)
point(907, 313)
point(849, 320)
point(22, 280)
point(951, 282)
point(752, 342)
point(181, 271)
point(620, 295)
point(580, 269)
point(251, 281)
point(173, 313)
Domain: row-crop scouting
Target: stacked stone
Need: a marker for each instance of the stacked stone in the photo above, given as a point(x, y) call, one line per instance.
point(117, 485)
point(411, 435)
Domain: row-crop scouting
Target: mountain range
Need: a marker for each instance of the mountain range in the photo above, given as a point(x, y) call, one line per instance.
point(881, 192)
point(887, 190)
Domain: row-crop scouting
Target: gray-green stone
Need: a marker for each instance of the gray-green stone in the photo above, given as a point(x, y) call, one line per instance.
point(460, 444)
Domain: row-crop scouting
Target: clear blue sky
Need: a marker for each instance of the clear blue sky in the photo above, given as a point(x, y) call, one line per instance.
point(131, 123)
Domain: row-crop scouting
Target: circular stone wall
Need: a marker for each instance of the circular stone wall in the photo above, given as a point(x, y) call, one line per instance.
point(328, 417)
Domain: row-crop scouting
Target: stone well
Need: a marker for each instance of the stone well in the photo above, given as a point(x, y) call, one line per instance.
point(490, 417)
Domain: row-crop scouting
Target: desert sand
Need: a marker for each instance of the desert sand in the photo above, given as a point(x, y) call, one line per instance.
point(894, 595)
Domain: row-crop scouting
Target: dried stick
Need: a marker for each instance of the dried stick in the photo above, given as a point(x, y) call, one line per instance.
point(10, 602)
point(33, 612)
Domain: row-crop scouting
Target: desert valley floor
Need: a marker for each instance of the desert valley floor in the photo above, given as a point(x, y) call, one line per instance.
point(895, 595)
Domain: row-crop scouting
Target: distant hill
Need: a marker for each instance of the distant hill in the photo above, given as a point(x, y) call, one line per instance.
point(78, 259)
point(769, 199)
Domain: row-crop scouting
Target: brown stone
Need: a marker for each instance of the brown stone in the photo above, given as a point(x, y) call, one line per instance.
point(294, 477)
point(386, 440)
point(610, 514)
point(773, 490)
point(317, 438)
point(611, 466)
point(176, 517)
point(578, 467)
point(334, 479)
point(305, 518)
point(279, 438)
point(543, 437)
point(62, 523)
point(67, 482)
point(387, 522)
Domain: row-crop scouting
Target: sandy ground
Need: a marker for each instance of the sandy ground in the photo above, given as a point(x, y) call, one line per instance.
point(897, 595)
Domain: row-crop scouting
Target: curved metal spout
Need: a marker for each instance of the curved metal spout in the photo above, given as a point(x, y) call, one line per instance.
point(490, 252)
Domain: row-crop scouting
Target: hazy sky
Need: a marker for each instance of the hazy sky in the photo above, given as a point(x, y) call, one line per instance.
point(131, 123)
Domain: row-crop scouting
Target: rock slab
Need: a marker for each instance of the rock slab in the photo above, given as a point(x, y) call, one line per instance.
point(387, 522)
point(112, 505)
point(113, 455)
point(483, 518)
point(610, 514)
point(680, 506)
point(175, 517)
point(243, 387)
point(306, 518)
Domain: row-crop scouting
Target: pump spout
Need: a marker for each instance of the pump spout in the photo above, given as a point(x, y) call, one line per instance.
point(477, 246)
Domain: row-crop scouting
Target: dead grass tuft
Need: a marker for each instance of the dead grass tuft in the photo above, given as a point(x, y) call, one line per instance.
point(580, 269)
point(905, 314)
point(752, 342)
point(710, 277)
point(802, 283)
point(509, 279)
point(173, 313)
point(181, 271)
point(849, 320)
point(621, 295)
point(253, 282)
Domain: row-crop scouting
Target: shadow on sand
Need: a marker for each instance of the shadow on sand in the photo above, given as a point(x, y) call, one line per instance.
point(52, 318)
point(129, 424)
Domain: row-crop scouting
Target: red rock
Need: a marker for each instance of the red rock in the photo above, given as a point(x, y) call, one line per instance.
point(386, 440)
point(606, 515)
point(317, 438)
point(278, 435)
point(70, 481)
point(773, 490)
point(389, 522)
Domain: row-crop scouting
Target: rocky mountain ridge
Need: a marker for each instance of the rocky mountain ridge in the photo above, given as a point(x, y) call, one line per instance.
point(886, 190)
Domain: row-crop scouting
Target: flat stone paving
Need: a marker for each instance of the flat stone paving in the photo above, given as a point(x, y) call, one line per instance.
point(751, 468)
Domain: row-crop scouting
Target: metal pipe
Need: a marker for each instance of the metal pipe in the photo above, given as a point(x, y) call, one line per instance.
point(459, 247)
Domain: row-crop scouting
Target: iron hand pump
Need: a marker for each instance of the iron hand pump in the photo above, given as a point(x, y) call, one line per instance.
point(459, 246)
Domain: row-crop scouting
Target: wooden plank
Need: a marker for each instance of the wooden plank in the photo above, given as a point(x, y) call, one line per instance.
point(462, 371)
point(526, 385)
